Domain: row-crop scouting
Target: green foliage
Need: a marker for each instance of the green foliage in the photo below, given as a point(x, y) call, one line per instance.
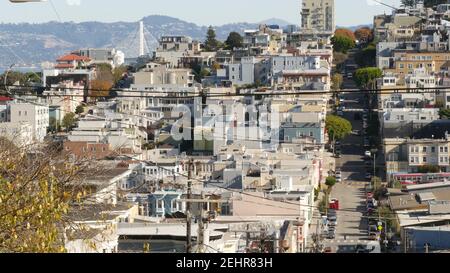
point(23, 78)
point(432, 3)
point(330, 181)
point(444, 113)
point(211, 43)
point(79, 109)
point(366, 77)
point(336, 81)
point(323, 205)
point(337, 127)
point(118, 73)
point(234, 40)
point(429, 169)
point(316, 194)
point(69, 121)
point(339, 59)
point(200, 72)
point(409, 3)
point(367, 56)
point(342, 43)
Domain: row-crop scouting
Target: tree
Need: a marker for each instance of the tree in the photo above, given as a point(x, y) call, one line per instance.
point(366, 77)
point(69, 121)
point(429, 169)
point(33, 204)
point(330, 182)
point(339, 59)
point(211, 43)
point(336, 81)
point(364, 35)
point(342, 43)
point(234, 40)
point(367, 56)
point(433, 3)
point(79, 109)
point(100, 88)
point(343, 32)
point(336, 84)
point(118, 73)
point(103, 81)
point(337, 127)
point(444, 113)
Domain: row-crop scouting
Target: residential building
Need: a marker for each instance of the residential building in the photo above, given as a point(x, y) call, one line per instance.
point(318, 15)
point(37, 115)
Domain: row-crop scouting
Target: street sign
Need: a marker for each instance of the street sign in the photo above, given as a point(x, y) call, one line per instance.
point(380, 228)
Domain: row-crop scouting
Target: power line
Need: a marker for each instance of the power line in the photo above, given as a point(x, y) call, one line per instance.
point(402, 90)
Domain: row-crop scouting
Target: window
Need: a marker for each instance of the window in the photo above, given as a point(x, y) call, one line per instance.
point(424, 159)
point(441, 149)
point(433, 149)
point(445, 149)
point(160, 204)
point(175, 205)
point(412, 159)
point(424, 149)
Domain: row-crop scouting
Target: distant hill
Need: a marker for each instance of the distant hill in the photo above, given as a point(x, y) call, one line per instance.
point(353, 28)
point(27, 44)
point(276, 21)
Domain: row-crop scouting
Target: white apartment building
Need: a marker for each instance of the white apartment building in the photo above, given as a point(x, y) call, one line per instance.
point(318, 15)
point(396, 115)
point(35, 114)
point(243, 72)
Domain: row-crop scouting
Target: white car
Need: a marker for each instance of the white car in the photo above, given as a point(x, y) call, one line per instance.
point(368, 154)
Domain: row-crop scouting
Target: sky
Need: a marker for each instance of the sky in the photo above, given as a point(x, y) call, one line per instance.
point(201, 12)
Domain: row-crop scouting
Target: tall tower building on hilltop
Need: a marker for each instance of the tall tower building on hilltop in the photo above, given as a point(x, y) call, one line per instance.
point(318, 15)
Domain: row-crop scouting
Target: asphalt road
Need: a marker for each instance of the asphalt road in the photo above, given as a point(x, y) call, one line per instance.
point(352, 227)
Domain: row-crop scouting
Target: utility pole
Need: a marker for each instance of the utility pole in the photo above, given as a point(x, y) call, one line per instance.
point(201, 228)
point(188, 209)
